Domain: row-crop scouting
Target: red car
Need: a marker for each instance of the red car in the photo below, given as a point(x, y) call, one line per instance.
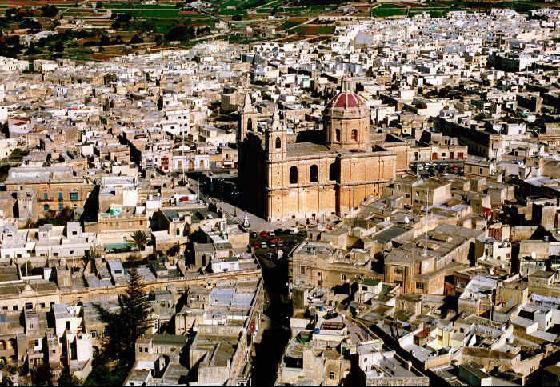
point(264, 234)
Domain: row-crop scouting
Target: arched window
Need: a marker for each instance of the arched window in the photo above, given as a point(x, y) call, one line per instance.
point(278, 143)
point(338, 135)
point(293, 175)
point(250, 125)
point(314, 174)
point(354, 135)
point(333, 172)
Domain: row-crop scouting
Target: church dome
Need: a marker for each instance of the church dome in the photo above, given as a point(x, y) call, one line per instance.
point(346, 100)
point(347, 105)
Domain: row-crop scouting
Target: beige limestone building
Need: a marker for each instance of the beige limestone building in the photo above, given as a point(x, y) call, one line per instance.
point(284, 178)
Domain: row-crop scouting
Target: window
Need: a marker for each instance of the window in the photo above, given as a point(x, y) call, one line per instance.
point(302, 270)
point(331, 375)
point(60, 196)
point(314, 174)
point(419, 286)
point(74, 196)
point(354, 135)
point(333, 172)
point(343, 277)
point(338, 135)
point(46, 196)
point(278, 143)
point(46, 207)
point(293, 175)
point(60, 206)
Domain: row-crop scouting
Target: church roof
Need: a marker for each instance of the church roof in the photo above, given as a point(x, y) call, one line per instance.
point(346, 100)
point(302, 149)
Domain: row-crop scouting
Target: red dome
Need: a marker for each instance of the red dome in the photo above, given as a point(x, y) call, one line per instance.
point(346, 100)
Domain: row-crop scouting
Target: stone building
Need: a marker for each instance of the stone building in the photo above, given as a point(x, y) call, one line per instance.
point(318, 264)
point(333, 174)
point(40, 190)
point(421, 265)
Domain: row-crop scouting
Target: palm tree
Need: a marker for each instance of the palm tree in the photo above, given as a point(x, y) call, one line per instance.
point(140, 238)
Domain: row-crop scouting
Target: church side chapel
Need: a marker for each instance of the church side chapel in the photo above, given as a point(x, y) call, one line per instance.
point(283, 178)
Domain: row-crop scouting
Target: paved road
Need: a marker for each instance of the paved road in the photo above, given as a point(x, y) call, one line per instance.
point(238, 215)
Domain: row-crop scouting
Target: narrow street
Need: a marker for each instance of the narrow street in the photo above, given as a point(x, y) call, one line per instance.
point(270, 350)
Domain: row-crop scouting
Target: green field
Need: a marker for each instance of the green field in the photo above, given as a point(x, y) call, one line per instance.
point(441, 8)
point(162, 17)
point(125, 5)
point(388, 10)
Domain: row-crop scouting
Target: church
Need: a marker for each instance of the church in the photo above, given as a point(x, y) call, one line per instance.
point(282, 178)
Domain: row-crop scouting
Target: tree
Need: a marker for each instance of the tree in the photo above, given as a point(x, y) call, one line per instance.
point(13, 13)
point(41, 376)
point(145, 25)
point(136, 39)
point(180, 32)
point(58, 46)
point(66, 379)
point(123, 327)
point(140, 238)
point(33, 25)
point(158, 40)
point(49, 11)
point(104, 39)
point(173, 250)
point(135, 313)
point(32, 50)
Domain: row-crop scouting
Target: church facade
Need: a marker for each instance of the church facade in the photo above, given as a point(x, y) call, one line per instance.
point(282, 178)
